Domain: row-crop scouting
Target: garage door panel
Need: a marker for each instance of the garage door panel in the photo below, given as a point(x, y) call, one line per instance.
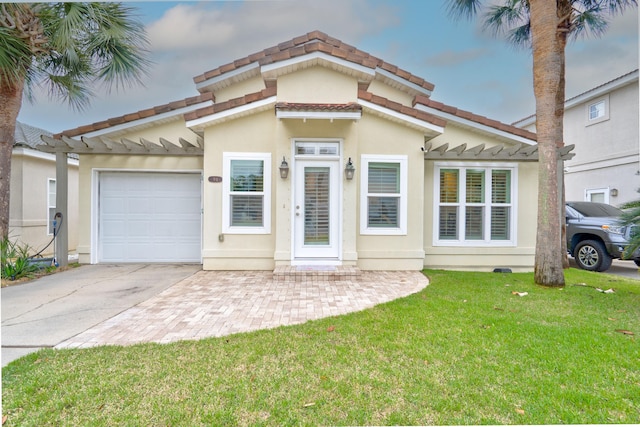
point(149, 217)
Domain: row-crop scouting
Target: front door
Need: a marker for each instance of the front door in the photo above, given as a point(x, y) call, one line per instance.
point(316, 210)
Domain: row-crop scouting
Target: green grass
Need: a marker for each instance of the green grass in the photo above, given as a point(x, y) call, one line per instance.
point(463, 351)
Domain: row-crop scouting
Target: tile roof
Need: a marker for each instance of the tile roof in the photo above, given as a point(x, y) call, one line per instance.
point(290, 106)
point(396, 106)
point(29, 136)
point(315, 41)
point(142, 114)
point(232, 103)
point(428, 102)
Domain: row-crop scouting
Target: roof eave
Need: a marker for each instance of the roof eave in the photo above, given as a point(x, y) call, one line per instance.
point(200, 123)
point(475, 125)
point(430, 130)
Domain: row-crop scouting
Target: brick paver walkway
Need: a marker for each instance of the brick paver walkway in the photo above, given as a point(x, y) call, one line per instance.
point(217, 303)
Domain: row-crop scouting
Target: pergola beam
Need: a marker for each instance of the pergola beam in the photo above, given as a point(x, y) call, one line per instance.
point(519, 152)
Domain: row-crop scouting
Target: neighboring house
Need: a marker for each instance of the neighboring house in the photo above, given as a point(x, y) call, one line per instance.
point(309, 152)
point(603, 124)
point(32, 203)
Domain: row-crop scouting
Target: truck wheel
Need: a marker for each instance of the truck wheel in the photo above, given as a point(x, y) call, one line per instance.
point(591, 255)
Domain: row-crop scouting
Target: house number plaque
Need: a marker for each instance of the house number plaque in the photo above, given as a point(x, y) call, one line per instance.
point(215, 179)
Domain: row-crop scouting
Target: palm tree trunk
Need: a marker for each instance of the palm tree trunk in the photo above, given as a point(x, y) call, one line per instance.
point(10, 103)
point(548, 61)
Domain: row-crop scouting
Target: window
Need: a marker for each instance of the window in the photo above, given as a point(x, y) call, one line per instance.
point(474, 205)
point(600, 195)
point(246, 200)
point(384, 195)
point(51, 204)
point(598, 110)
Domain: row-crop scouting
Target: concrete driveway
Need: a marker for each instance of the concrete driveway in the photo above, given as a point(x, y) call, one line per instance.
point(52, 309)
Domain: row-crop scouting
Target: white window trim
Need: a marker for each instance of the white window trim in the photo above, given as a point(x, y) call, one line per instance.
point(475, 243)
point(266, 201)
point(49, 206)
point(604, 117)
point(590, 191)
point(401, 230)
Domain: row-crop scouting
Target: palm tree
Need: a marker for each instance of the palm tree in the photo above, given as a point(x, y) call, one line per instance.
point(545, 26)
point(68, 48)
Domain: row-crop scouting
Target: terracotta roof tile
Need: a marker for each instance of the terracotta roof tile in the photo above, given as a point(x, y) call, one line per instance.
point(293, 106)
point(395, 106)
point(142, 114)
point(232, 103)
point(314, 41)
point(423, 100)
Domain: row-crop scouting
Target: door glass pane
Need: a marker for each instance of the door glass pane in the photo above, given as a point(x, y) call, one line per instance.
point(316, 206)
point(597, 197)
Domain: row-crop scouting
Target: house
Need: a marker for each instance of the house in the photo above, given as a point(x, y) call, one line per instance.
point(603, 124)
point(32, 202)
point(308, 152)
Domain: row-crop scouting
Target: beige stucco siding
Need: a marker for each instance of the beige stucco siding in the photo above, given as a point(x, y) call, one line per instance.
point(30, 174)
point(250, 134)
point(92, 165)
point(317, 85)
point(378, 136)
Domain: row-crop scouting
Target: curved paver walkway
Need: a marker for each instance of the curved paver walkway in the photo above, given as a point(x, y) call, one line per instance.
point(215, 303)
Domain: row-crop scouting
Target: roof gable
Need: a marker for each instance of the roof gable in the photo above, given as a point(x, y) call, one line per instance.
point(311, 49)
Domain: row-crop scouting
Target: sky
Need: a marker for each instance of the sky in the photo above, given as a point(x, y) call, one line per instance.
point(470, 67)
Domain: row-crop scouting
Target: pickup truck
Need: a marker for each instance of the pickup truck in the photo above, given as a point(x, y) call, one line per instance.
point(595, 236)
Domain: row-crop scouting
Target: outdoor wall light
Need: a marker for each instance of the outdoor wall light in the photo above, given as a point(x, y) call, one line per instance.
point(349, 170)
point(284, 169)
point(613, 192)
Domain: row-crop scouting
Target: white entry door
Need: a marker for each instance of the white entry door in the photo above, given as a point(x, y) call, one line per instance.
point(316, 210)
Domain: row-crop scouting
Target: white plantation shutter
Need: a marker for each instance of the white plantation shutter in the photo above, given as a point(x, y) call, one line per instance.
point(246, 193)
point(247, 176)
point(317, 206)
point(384, 194)
point(480, 211)
point(475, 186)
point(500, 195)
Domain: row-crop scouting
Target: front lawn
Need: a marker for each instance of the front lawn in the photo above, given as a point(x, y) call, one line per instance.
point(466, 350)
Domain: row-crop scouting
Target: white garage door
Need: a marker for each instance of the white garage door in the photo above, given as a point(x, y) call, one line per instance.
point(149, 217)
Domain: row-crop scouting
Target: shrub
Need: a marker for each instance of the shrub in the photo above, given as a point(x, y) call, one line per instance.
point(15, 260)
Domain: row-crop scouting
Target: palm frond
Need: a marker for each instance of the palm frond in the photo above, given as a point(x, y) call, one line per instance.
point(511, 20)
point(90, 43)
point(465, 9)
point(15, 56)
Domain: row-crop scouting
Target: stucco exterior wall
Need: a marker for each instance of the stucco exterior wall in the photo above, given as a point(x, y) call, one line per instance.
point(28, 223)
point(317, 85)
point(607, 151)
